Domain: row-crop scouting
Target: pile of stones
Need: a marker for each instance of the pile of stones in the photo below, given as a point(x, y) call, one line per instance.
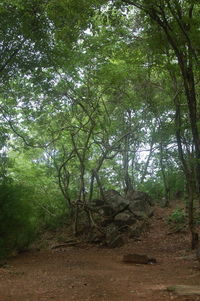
point(121, 217)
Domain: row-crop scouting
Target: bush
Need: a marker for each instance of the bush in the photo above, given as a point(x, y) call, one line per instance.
point(177, 217)
point(17, 220)
point(153, 188)
point(50, 222)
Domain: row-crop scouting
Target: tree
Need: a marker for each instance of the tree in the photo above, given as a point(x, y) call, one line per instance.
point(97, 88)
point(179, 23)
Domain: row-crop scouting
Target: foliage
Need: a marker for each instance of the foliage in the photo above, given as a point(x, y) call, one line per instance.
point(177, 218)
point(17, 218)
point(154, 188)
point(97, 95)
point(46, 198)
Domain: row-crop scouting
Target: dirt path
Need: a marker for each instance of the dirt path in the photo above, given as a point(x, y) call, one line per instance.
point(97, 274)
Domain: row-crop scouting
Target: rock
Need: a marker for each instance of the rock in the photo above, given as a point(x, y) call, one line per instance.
point(111, 231)
point(95, 237)
point(121, 215)
point(107, 211)
point(124, 218)
point(141, 208)
point(113, 237)
point(28, 250)
point(116, 242)
point(185, 290)
point(115, 200)
point(97, 202)
point(133, 195)
point(106, 222)
point(3, 263)
point(102, 207)
point(140, 203)
point(198, 253)
point(111, 195)
point(138, 259)
point(136, 230)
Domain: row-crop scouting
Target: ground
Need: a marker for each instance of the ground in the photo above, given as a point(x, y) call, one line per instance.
point(91, 273)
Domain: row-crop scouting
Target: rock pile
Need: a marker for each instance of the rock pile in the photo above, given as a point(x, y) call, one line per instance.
point(121, 217)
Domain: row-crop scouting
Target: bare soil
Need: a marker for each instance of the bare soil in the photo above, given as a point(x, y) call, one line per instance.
point(88, 273)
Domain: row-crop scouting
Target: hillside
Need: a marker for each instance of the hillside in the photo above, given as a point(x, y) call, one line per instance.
point(88, 273)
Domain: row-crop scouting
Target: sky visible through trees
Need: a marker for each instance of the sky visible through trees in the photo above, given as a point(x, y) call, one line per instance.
point(98, 95)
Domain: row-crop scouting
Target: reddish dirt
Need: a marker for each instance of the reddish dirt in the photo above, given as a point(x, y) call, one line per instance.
point(85, 273)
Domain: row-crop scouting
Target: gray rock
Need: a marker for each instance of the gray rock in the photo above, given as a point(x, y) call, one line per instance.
point(95, 237)
point(116, 242)
point(3, 263)
point(111, 231)
point(115, 200)
point(124, 218)
point(97, 203)
point(185, 290)
point(137, 229)
point(120, 216)
point(138, 259)
point(107, 210)
point(133, 195)
point(113, 237)
point(141, 208)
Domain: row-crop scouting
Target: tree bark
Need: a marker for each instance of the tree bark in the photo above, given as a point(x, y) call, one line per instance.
point(144, 172)
point(162, 167)
point(188, 172)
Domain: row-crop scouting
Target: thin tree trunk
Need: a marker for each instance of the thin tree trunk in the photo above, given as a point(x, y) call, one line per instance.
point(188, 174)
point(99, 184)
point(166, 187)
point(144, 172)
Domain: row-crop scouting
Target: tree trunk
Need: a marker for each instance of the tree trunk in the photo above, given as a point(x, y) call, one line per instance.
point(188, 78)
point(189, 176)
point(127, 179)
point(144, 172)
point(96, 175)
point(166, 187)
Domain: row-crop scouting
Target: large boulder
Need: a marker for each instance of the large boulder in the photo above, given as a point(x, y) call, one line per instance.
point(140, 203)
point(133, 195)
point(124, 218)
point(121, 215)
point(137, 229)
point(114, 238)
point(115, 201)
point(112, 204)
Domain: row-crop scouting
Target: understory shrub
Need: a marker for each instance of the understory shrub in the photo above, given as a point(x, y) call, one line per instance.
point(153, 188)
point(177, 218)
point(56, 220)
point(17, 219)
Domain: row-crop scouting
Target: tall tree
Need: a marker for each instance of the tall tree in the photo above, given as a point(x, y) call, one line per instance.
point(179, 23)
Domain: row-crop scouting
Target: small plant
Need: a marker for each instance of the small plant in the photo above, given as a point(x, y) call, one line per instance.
point(177, 218)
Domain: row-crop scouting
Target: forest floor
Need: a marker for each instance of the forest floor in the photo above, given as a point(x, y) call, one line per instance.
point(90, 273)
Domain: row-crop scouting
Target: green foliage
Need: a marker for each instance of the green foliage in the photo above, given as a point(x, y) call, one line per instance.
point(46, 198)
point(55, 221)
point(176, 183)
point(24, 34)
point(153, 187)
point(91, 86)
point(17, 218)
point(177, 218)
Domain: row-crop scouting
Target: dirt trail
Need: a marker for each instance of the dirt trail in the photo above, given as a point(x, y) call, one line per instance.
point(97, 274)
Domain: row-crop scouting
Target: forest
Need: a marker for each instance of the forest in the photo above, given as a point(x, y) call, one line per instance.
point(96, 96)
